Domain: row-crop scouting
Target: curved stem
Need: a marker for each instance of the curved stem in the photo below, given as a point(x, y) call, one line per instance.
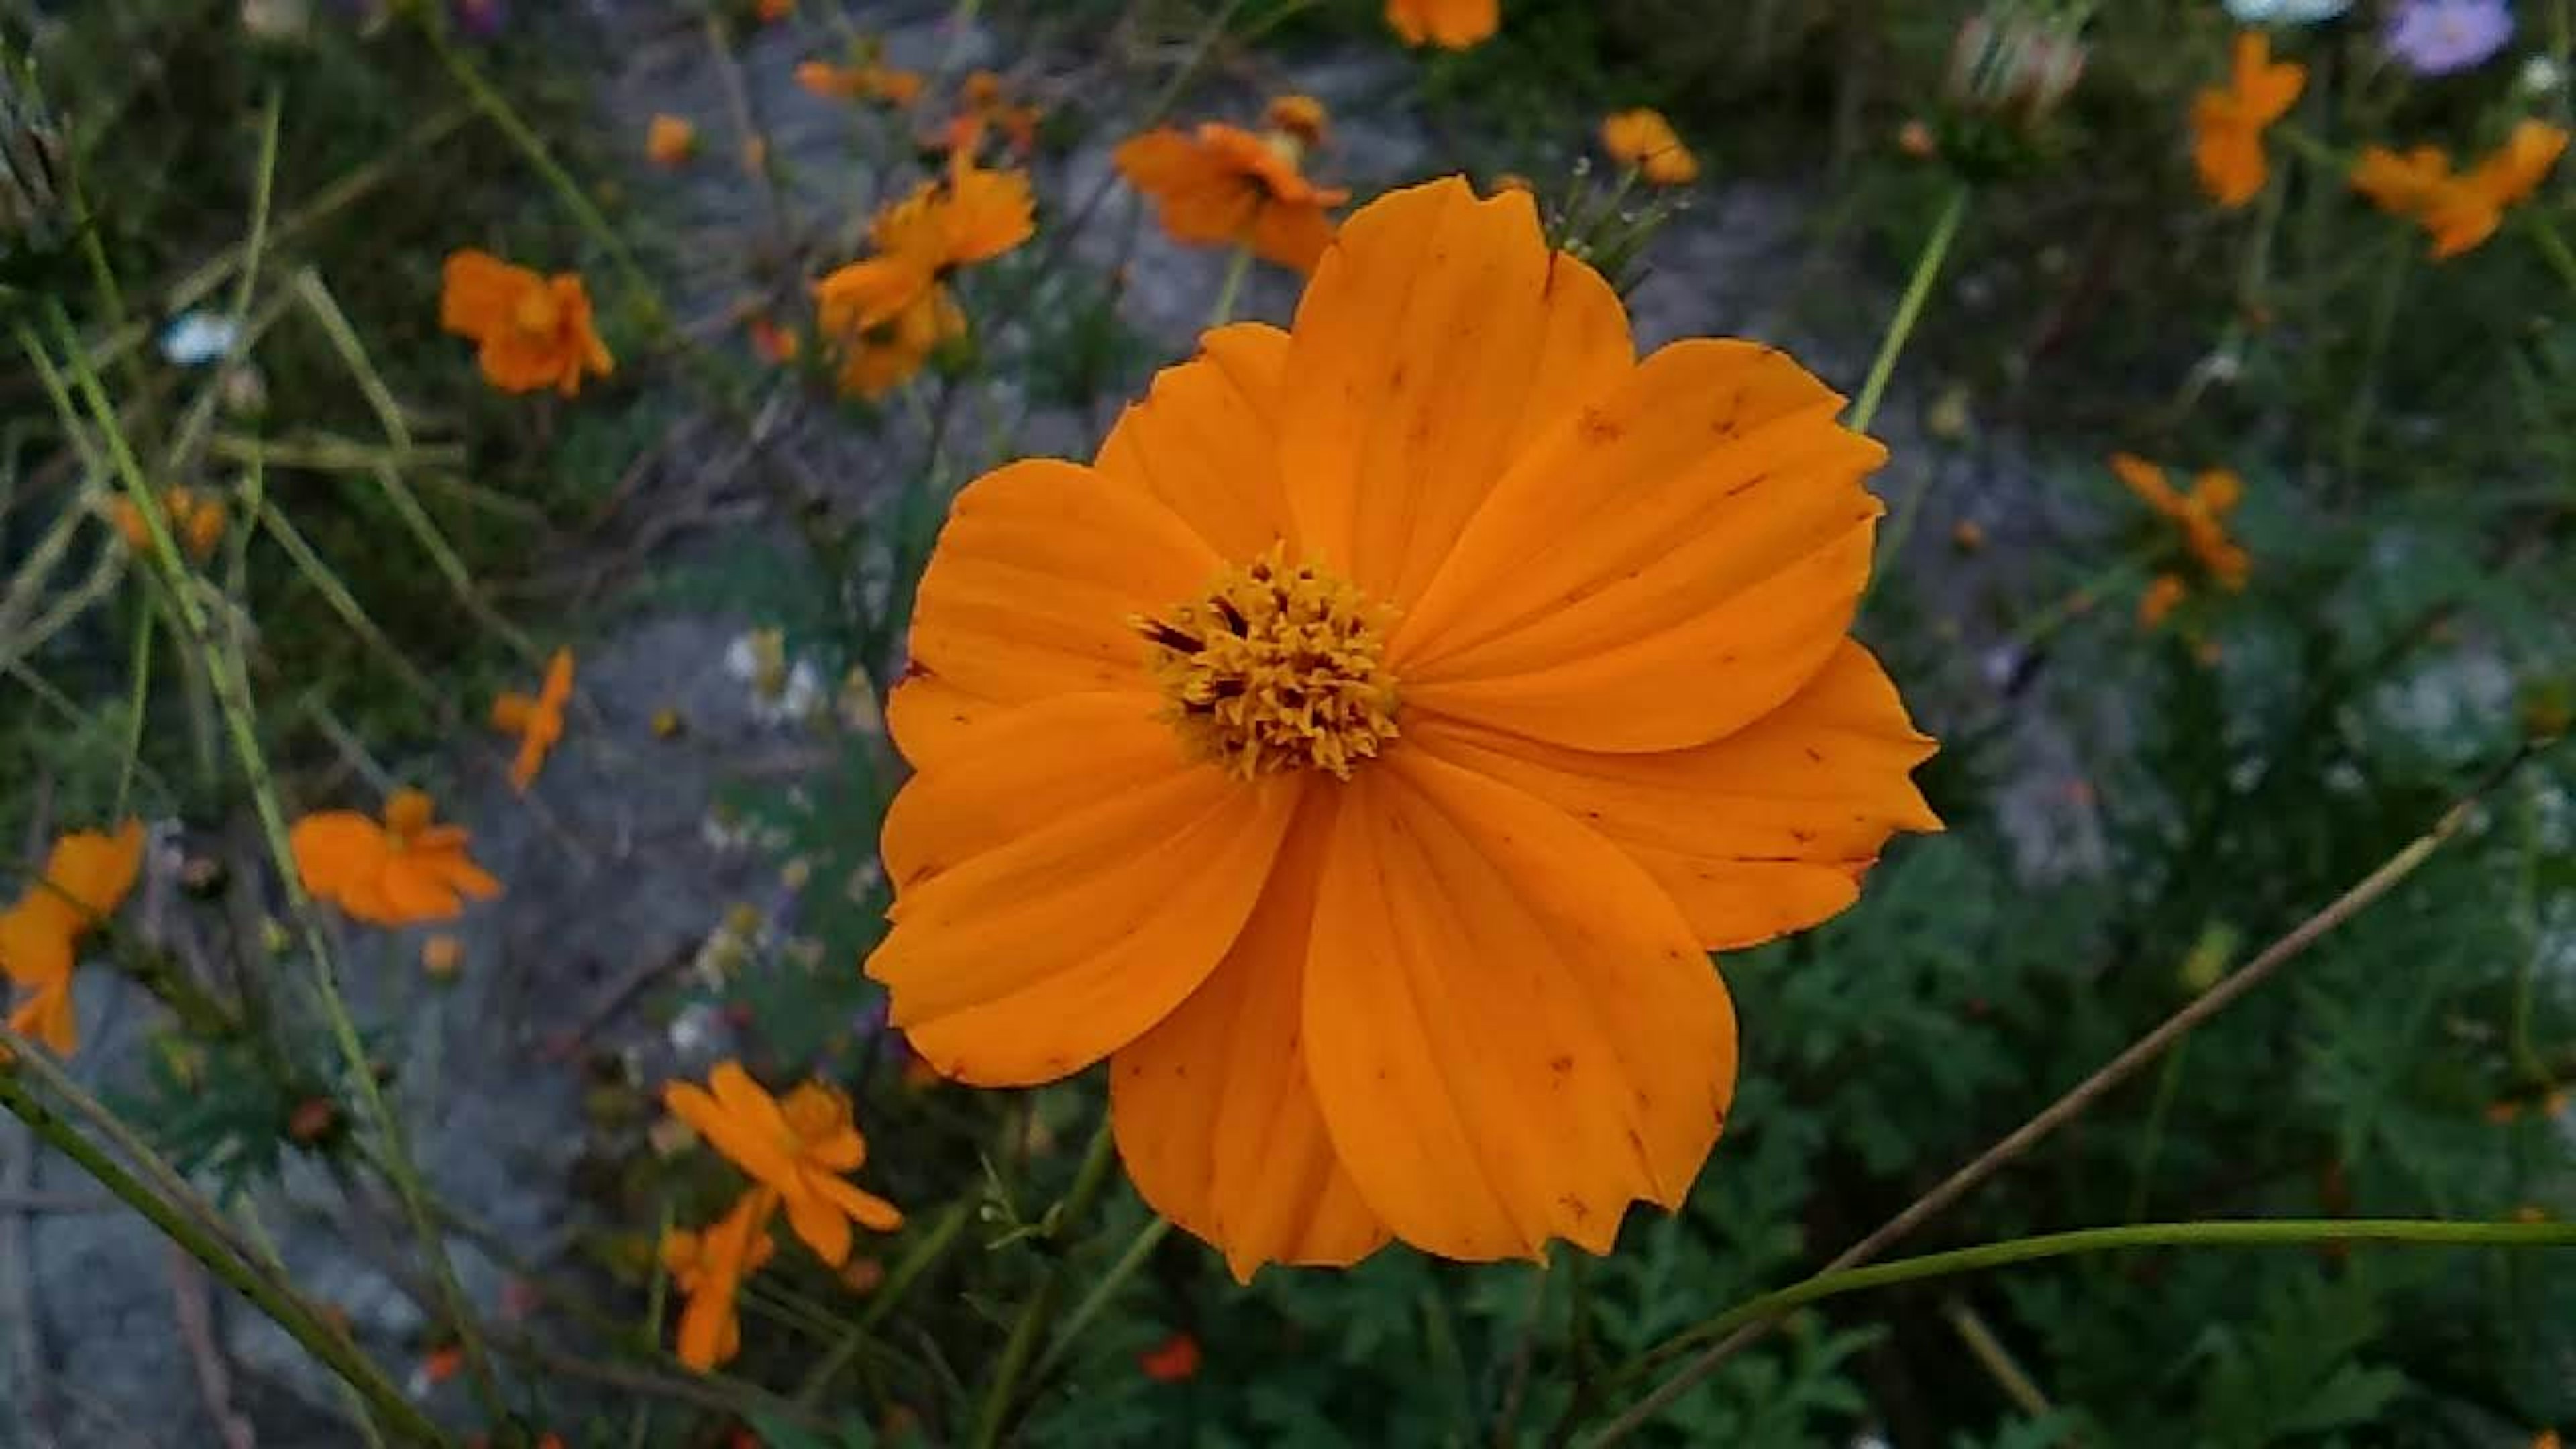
point(1873, 389)
point(1232, 289)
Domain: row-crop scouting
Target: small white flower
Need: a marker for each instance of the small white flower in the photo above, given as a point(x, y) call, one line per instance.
point(693, 1031)
point(198, 338)
point(2285, 12)
point(2541, 76)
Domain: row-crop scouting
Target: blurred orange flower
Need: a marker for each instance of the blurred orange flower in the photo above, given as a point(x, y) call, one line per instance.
point(887, 313)
point(401, 873)
point(1173, 1360)
point(1329, 690)
point(670, 140)
point(709, 1268)
point(2200, 515)
point(87, 875)
point(2459, 212)
point(2228, 122)
point(770, 12)
point(1449, 24)
point(1645, 140)
point(772, 343)
point(984, 101)
point(535, 331)
point(871, 81)
point(538, 722)
point(799, 1148)
point(1225, 186)
point(1303, 117)
point(197, 521)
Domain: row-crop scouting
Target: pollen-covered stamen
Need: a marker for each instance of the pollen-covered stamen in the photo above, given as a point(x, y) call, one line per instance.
point(1276, 668)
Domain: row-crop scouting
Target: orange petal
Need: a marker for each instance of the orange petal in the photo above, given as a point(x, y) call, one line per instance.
point(1755, 835)
point(819, 1225)
point(1034, 958)
point(1214, 1116)
point(95, 870)
point(35, 945)
point(480, 291)
point(1035, 576)
point(333, 847)
point(751, 1139)
point(932, 720)
point(862, 1207)
point(1509, 1027)
point(1204, 442)
point(1440, 335)
point(49, 1018)
point(1669, 565)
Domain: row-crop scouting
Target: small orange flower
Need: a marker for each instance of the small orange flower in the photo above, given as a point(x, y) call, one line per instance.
point(197, 521)
point(1645, 140)
point(709, 1268)
point(2459, 212)
point(888, 313)
point(87, 876)
point(2164, 594)
point(441, 1363)
point(2228, 122)
point(799, 1148)
point(984, 102)
point(1225, 186)
point(1449, 24)
point(670, 140)
point(1172, 1361)
point(772, 343)
point(401, 873)
point(1303, 117)
point(441, 956)
point(2201, 516)
point(2545, 1439)
point(770, 12)
point(538, 722)
point(535, 331)
point(869, 82)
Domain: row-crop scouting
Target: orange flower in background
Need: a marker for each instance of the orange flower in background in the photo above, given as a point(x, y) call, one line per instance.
point(402, 872)
point(800, 1148)
point(2228, 122)
point(772, 343)
point(2459, 212)
point(1329, 758)
point(538, 722)
point(870, 81)
point(1172, 1361)
point(670, 140)
point(2201, 516)
point(770, 12)
point(1449, 24)
point(1303, 117)
point(709, 1268)
point(984, 102)
point(87, 875)
point(1645, 140)
point(535, 331)
point(887, 313)
point(197, 521)
point(1225, 186)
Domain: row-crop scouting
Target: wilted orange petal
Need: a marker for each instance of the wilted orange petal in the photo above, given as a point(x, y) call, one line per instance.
point(1439, 336)
point(1214, 1116)
point(1509, 1026)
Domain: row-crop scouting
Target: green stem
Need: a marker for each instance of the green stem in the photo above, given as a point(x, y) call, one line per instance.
point(1873, 388)
point(2554, 247)
point(299, 1319)
point(920, 1259)
point(241, 723)
point(2266, 1233)
point(1001, 1395)
point(138, 699)
point(1236, 268)
point(1094, 1303)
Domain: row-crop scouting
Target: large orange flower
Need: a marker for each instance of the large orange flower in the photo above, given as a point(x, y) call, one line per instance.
point(535, 331)
point(1368, 746)
point(401, 873)
point(2228, 122)
point(709, 1268)
point(800, 1148)
point(538, 721)
point(86, 877)
point(1225, 186)
point(1449, 24)
point(2459, 212)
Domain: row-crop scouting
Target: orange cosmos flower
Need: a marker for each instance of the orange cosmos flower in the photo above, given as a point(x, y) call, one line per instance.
point(538, 722)
point(800, 1148)
point(2228, 121)
point(2459, 212)
point(1303, 117)
point(535, 331)
point(1645, 140)
point(869, 82)
point(400, 873)
point(984, 102)
point(86, 877)
point(1449, 24)
point(709, 1269)
point(2201, 517)
point(197, 521)
point(888, 313)
point(770, 12)
point(670, 140)
point(1366, 749)
point(1172, 1361)
point(1225, 186)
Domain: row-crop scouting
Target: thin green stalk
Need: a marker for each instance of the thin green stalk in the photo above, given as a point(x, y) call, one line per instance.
point(2263, 1233)
point(246, 1213)
point(137, 700)
point(219, 1255)
point(922, 1257)
point(276, 524)
point(2383, 320)
point(1873, 388)
point(2076, 601)
point(263, 190)
point(2554, 247)
point(241, 723)
point(1237, 268)
point(1002, 1394)
point(1097, 1301)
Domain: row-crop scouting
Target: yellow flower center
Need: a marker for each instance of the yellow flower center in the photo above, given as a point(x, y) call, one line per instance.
point(1274, 668)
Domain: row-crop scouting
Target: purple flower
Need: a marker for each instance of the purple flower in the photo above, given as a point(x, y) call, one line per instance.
point(479, 19)
point(2439, 37)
